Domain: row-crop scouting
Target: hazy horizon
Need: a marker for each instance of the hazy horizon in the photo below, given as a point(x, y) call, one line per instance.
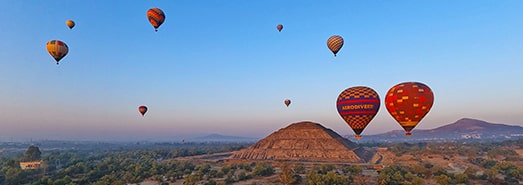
point(223, 67)
point(166, 137)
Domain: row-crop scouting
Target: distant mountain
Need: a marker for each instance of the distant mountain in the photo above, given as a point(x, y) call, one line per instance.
point(463, 129)
point(222, 138)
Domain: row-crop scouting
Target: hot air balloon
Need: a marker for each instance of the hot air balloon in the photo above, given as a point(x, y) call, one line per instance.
point(156, 17)
point(357, 106)
point(70, 24)
point(287, 102)
point(408, 103)
point(142, 109)
point(279, 27)
point(57, 49)
point(335, 43)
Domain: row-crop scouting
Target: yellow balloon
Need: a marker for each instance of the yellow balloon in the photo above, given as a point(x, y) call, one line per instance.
point(57, 49)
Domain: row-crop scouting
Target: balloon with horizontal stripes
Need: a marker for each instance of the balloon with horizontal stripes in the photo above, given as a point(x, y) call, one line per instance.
point(358, 106)
point(57, 49)
point(156, 17)
point(334, 43)
point(408, 103)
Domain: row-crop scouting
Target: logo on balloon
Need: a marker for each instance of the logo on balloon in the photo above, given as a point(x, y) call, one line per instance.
point(358, 106)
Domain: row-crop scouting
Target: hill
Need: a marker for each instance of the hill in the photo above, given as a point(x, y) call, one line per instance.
point(463, 129)
point(304, 141)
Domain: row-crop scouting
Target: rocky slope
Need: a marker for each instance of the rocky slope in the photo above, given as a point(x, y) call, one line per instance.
point(304, 141)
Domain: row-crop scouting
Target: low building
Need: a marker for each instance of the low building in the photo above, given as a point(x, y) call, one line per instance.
point(31, 165)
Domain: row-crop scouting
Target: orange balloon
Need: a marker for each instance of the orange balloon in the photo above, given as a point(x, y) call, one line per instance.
point(408, 103)
point(155, 17)
point(57, 49)
point(70, 23)
point(142, 109)
point(334, 43)
point(287, 102)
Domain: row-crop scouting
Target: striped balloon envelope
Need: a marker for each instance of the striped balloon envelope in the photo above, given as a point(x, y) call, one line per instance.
point(358, 106)
point(155, 17)
point(408, 103)
point(334, 43)
point(57, 49)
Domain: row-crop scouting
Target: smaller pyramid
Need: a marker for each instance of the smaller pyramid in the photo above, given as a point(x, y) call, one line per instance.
point(303, 141)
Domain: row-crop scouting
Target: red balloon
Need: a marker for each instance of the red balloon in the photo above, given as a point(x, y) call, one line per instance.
point(358, 106)
point(279, 27)
point(408, 103)
point(156, 17)
point(142, 109)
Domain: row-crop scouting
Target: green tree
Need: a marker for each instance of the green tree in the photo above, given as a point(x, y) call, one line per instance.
point(263, 169)
point(229, 179)
point(471, 172)
point(352, 170)
point(109, 179)
point(287, 176)
point(299, 168)
point(226, 169)
point(392, 175)
point(191, 179)
point(461, 178)
point(243, 176)
point(418, 181)
point(419, 170)
point(62, 181)
point(14, 176)
point(332, 178)
point(439, 170)
point(210, 182)
point(397, 177)
point(32, 154)
point(443, 179)
point(314, 178)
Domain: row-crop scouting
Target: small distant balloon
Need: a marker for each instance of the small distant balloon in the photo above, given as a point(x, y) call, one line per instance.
point(335, 43)
point(358, 106)
point(142, 109)
point(57, 49)
point(155, 17)
point(408, 103)
point(279, 27)
point(70, 24)
point(287, 102)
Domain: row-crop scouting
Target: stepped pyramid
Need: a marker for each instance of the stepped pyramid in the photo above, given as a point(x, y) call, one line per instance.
point(303, 141)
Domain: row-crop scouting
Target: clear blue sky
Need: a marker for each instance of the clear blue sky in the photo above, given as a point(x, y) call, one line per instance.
point(219, 66)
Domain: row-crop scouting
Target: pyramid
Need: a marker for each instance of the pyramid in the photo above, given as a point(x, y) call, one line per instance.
point(304, 142)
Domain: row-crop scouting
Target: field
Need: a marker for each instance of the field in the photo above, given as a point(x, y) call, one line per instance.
point(209, 163)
